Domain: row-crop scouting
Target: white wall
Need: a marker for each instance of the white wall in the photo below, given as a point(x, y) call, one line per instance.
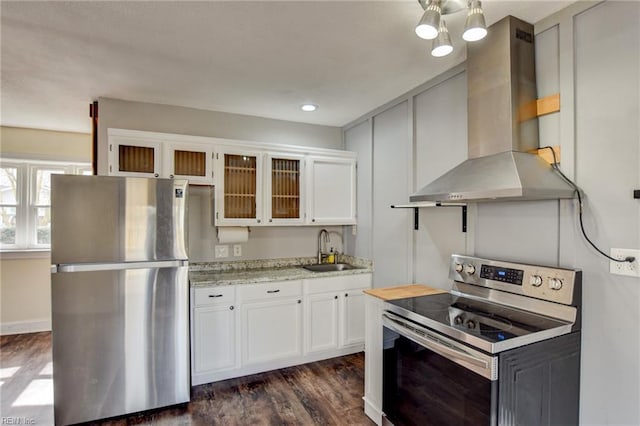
point(590, 54)
point(409, 142)
point(607, 167)
point(25, 280)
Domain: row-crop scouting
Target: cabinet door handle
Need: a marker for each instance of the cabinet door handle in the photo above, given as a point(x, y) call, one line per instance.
point(171, 176)
point(273, 291)
point(346, 295)
point(270, 220)
point(215, 295)
point(335, 297)
point(299, 301)
point(156, 175)
point(313, 220)
point(258, 220)
point(231, 308)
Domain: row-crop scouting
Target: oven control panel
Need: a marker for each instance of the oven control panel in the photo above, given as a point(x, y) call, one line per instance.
point(542, 282)
point(498, 273)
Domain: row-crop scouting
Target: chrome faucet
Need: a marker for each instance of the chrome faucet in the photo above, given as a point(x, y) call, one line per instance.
point(326, 240)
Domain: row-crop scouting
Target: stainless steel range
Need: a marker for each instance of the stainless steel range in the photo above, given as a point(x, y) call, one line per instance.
point(503, 347)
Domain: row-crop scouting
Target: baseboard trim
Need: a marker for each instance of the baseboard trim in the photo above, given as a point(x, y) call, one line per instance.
point(372, 411)
point(20, 327)
point(202, 378)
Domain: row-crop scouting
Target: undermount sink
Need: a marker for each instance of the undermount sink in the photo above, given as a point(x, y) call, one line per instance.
point(328, 267)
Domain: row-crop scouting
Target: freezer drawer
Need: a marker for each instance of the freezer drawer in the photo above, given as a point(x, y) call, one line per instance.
point(97, 219)
point(120, 341)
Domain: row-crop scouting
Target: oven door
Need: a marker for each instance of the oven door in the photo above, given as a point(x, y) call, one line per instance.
point(429, 379)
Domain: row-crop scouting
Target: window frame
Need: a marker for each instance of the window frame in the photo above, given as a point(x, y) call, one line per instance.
point(26, 238)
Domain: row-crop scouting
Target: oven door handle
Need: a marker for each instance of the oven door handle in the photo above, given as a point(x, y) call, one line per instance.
point(482, 364)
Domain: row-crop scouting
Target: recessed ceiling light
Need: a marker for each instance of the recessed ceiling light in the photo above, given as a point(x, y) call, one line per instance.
point(309, 107)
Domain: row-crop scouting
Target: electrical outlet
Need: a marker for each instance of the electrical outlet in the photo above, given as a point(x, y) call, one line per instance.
point(222, 251)
point(237, 250)
point(631, 269)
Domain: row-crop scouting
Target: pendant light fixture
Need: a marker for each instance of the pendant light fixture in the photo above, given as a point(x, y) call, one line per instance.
point(442, 44)
point(475, 28)
point(428, 26)
point(433, 27)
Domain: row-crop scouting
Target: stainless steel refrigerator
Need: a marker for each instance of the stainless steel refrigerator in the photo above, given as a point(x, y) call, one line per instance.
point(120, 296)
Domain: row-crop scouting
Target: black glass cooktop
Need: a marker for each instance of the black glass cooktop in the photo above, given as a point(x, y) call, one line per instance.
point(489, 321)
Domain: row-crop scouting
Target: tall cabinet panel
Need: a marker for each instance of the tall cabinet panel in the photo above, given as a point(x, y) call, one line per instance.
point(441, 143)
point(391, 182)
point(358, 139)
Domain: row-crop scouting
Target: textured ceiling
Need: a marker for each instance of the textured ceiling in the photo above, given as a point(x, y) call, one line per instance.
point(262, 58)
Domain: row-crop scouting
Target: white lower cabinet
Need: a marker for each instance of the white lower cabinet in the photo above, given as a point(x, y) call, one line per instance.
point(271, 330)
point(214, 329)
point(353, 314)
point(321, 322)
point(214, 332)
point(334, 312)
point(250, 328)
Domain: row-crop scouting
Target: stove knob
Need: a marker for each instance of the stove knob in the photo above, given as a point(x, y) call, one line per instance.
point(535, 280)
point(458, 267)
point(458, 320)
point(555, 283)
point(470, 269)
point(471, 324)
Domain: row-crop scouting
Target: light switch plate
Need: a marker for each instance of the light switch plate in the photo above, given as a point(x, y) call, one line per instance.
point(631, 269)
point(222, 251)
point(237, 250)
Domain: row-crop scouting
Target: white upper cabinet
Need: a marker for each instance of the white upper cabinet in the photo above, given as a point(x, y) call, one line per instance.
point(193, 162)
point(136, 157)
point(284, 189)
point(255, 184)
point(144, 154)
point(332, 191)
point(239, 187)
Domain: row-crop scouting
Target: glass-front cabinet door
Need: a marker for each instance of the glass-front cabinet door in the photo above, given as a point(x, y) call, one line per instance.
point(135, 157)
point(283, 189)
point(239, 188)
point(191, 162)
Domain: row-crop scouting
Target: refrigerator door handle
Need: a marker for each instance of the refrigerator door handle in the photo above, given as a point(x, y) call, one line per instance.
point(90, 267)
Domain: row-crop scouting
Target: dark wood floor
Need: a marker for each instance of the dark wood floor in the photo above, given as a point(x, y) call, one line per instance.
point(323, 393)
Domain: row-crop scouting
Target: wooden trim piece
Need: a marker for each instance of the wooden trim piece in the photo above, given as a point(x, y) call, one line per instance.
point(403, 291)
point(542, 106)
point(546, 154)
point(548, 104)
point(93, 113)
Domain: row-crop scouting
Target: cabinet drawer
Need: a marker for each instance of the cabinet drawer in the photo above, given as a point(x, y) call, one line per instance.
point(214, 295)
point(270, 290)
point(340, 283)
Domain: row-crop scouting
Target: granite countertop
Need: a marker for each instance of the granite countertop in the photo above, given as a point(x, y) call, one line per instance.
point(258, 271)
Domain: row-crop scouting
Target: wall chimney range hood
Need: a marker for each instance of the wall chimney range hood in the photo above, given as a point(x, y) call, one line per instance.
point(501, 84)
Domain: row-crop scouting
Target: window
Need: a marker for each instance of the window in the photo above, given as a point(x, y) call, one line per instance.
point(25, 201)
